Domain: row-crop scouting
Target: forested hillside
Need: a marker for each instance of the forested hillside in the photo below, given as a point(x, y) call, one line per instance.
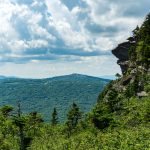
point(42, 95)
point(119, 121)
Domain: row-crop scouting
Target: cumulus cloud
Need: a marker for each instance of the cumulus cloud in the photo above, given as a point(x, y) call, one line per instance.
point(64, 30)
point(21, 29)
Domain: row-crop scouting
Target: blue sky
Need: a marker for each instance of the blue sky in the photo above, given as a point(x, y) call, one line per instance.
point(43, 38)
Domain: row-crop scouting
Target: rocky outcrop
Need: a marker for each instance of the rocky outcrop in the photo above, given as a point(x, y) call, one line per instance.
point(121, 52)
point(142, 94)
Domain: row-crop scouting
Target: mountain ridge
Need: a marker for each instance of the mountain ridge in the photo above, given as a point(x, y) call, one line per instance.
point(42, 95)
point(59, 76)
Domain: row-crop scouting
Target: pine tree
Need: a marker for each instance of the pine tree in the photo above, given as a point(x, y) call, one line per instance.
point(112, 99)
point(20, 123)
point(54, 120)
point(34, 121)
point(118, 75)
point(73, 118)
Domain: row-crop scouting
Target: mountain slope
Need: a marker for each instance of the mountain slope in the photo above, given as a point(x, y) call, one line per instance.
point(126, 100)
point(43, 94)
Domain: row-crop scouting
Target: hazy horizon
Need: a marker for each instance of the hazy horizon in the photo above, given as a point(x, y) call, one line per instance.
point(110, 77)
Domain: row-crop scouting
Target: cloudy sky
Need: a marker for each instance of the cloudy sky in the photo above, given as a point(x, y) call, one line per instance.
point(43, 38)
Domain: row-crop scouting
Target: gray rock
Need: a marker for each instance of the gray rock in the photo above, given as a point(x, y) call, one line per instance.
point(142, 94)
point(121, 52)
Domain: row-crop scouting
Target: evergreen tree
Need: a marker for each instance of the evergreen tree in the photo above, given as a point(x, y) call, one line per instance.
point(73, 117)
point(54, 120)
point(34, 121)
point(118, 75)
point(112, 99)
point(135, 32)
point(20, 123)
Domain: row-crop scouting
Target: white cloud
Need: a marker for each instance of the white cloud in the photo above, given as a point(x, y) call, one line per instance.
point(36, 31)
point(66, 24)
point(11, 14)
point(96, 66)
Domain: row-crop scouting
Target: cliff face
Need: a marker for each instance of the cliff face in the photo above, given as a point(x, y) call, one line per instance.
point(134, 60)
point(121, 52)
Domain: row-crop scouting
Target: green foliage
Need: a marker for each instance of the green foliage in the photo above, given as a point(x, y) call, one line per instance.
point(118, 75)
point(140, 50)
point(143, 47)
point(112, 99)
point(5, 110)
point(130, 139)
point(73, 117)
point(147, 84)
point(54, 120)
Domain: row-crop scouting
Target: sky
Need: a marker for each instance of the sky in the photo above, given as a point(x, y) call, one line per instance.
point(44, 38)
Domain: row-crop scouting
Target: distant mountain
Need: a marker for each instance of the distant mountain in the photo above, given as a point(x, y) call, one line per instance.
point(43, 95)
point(7, 77)
point(2, 77)
point(78, 77)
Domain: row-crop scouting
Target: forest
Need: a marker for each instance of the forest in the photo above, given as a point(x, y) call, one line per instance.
point(42, 95)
